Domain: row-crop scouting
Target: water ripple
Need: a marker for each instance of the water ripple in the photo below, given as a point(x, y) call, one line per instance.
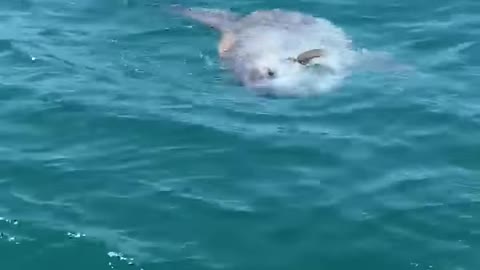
point(126, 146)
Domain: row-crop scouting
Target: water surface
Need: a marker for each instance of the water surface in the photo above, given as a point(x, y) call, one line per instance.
point(124, 145)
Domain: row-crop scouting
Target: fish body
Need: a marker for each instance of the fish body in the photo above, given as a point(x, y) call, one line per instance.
point(276, 49)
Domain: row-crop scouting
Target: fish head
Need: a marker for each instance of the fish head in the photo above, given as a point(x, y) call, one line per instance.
point(271, 70)
point(260, 77)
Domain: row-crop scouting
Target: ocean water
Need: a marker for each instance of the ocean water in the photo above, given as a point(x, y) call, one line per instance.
point(124, 145)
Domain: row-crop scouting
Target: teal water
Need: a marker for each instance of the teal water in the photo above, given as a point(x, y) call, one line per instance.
point(123, 145)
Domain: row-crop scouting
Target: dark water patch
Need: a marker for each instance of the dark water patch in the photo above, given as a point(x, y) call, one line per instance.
point(17, 5)
point(13, 92)
point(5, 45)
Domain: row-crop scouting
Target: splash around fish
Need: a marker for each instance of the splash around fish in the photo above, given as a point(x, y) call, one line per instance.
point(279, 52)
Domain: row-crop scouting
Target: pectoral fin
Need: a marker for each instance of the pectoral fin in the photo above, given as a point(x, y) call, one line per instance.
point(305, 57)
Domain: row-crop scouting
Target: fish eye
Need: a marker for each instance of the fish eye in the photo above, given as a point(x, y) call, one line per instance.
point(270, 73)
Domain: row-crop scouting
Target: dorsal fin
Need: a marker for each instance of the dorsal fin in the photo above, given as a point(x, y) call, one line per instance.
point(220, 20)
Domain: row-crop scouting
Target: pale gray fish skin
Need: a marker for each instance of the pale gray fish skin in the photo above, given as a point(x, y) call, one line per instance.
point(255, 28)
point(241, 58)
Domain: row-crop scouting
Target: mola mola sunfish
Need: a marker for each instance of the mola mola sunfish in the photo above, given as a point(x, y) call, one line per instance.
point(277, 51)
